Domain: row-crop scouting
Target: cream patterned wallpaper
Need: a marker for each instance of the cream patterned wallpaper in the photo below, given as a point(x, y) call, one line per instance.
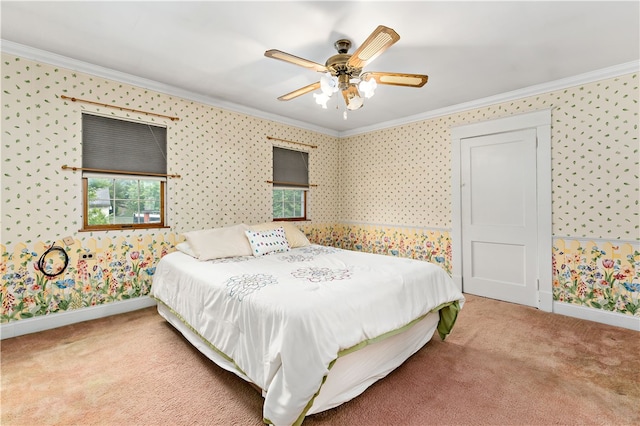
point(404, 174)
point(224, 160)
point(402, 177)
point(386, 191)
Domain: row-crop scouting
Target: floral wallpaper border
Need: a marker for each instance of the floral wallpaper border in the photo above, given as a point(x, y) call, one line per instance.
point(597, 274)
point(414, 243)
point(121, 269)
point(600, 274)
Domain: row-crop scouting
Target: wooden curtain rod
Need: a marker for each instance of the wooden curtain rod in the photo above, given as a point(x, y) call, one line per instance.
point(119, 107)
point(290, 183)
point(123, 172)
point(297, 143)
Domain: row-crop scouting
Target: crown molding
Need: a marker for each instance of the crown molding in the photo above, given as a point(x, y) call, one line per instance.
point(28, 52)
point(590, 77)
point(54, 59)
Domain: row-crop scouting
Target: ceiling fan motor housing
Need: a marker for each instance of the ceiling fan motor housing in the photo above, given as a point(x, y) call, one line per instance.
point(337, 64)
point(343, 45)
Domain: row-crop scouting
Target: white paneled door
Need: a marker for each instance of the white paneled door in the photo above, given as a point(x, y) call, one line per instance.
point(499, 216)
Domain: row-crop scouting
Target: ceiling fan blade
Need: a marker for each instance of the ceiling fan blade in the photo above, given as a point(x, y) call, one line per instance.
point(396, 79)
point(301, 91)
point(380, 40)
point(292, 59)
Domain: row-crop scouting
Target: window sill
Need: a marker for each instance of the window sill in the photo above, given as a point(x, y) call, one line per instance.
point(122, 228)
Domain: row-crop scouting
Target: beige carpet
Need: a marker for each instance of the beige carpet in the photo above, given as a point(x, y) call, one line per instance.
point(503, 365)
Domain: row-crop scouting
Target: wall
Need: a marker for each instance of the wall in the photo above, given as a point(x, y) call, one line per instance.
point(223, 158)
point(397, 200)
point(404, 180)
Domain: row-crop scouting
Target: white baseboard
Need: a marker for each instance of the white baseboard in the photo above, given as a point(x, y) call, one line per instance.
point(597, 315)
point(47, 322)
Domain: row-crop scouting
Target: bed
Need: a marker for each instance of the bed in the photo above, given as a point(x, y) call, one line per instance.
point(310, 326)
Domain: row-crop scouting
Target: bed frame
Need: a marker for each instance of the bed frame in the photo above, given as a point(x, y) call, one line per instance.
point(350, 375)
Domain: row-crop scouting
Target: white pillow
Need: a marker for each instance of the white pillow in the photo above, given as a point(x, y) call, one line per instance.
point(265, 242)
point(217, 243)
point(295, 237)
point(185, 248)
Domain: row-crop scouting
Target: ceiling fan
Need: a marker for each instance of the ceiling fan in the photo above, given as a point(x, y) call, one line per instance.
point(344, 71)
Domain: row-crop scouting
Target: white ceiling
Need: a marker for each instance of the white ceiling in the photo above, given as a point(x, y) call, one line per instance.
point(215, 49)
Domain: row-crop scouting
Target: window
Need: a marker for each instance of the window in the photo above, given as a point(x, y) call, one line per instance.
point(289, 203)
point(290, 184)
point(125, 173)
point(121, 202)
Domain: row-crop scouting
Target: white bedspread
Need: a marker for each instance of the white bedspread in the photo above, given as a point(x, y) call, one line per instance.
point(283, 318)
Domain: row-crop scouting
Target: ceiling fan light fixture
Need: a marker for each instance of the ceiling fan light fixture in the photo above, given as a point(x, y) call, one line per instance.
point(322, 99)
point(354, 100)
point(328, 84)
point(355, 103)
point(368, 87)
